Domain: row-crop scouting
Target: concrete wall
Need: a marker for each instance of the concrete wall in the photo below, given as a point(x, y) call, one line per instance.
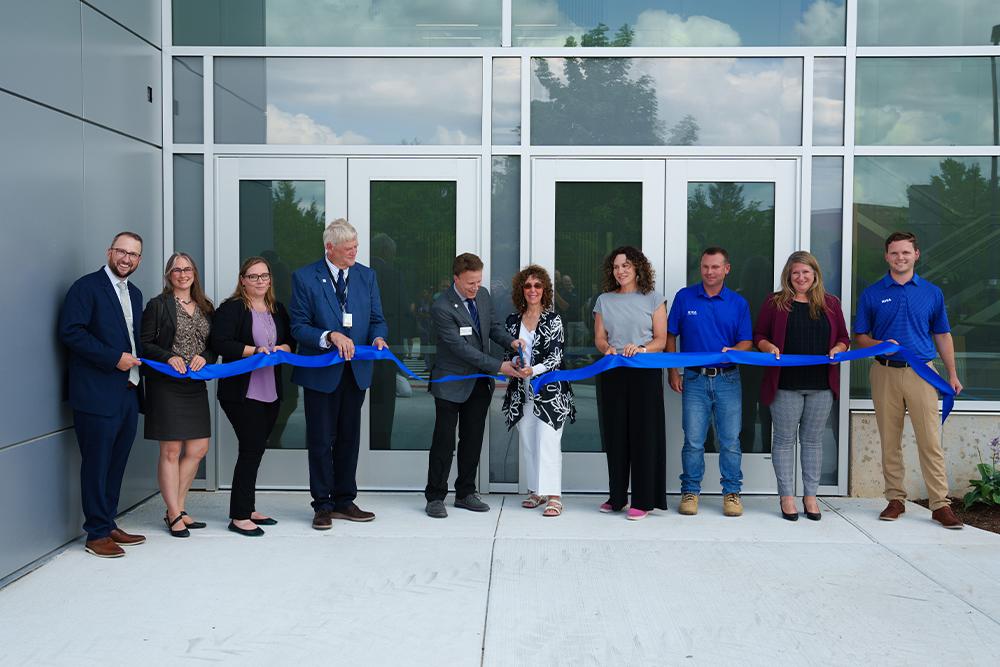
point(963, 437)
point(80, 158)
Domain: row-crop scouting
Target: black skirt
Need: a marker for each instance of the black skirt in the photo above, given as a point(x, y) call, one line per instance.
point(176, 409)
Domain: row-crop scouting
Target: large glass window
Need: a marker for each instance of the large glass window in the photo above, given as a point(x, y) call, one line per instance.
point(282, 221)
point(666, 101)
point(188, 101)
point(925, 101)
point(927, 22)
point(827, 219)
point(189, 209)
point(828, 101)
point(678, 23)
point(952, 204)
point(413, 237)
point(348, 100)
point(506, 101)
point(336, 23)
point(505, 258)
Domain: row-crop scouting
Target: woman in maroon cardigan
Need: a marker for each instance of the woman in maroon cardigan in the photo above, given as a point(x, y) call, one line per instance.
point(800, 318)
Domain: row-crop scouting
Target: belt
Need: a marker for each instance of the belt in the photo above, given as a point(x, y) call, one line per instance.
point(711, 372)
point(891, 363)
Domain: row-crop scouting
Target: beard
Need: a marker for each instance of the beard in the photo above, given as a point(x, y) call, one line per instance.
point(114, 270)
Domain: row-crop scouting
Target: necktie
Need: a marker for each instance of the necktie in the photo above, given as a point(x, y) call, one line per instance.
point(126, 304)
point(340, 286)
point(475, 314)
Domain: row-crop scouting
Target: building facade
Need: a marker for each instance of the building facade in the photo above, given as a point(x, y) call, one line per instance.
point(545, 131)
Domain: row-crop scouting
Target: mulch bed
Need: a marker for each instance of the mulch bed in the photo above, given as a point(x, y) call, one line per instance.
point(986, 517)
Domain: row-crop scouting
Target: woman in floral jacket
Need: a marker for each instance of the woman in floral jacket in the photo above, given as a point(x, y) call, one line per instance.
point(539, 417)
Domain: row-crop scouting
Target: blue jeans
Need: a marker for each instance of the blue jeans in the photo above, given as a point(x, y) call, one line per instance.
point(708, 400)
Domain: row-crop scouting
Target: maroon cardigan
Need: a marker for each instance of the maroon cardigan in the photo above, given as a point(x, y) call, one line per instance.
point(771, 324)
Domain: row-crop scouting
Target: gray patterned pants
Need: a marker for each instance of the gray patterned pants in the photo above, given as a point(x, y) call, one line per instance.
point(801, 413)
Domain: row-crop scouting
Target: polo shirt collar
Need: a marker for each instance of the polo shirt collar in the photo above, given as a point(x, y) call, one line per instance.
point(887, 280)
point(723, 293)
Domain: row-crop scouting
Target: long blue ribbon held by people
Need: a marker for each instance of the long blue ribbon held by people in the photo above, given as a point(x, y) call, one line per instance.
point(646, 360)
point(688, 359)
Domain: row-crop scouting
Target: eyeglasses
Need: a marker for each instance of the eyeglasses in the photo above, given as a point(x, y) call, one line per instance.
point(178, 270)
point(533, 286)
point(257, 277)
point(120, 252)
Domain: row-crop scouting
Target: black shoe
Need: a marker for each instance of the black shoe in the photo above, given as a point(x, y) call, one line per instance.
point(789, 516)
point(194, 525)
point(251, 532)
point(170, 526)
point(813, 516)
point(265, 522)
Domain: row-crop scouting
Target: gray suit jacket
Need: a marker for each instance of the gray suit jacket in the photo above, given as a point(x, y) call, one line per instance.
point(464, 355)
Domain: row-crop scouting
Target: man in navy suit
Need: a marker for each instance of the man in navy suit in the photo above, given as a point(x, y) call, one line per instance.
point(335, 305)
point(99, 323)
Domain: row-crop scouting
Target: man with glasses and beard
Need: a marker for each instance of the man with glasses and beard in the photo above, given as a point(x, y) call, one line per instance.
point(99, 324)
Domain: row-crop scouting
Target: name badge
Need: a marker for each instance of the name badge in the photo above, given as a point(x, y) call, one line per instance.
point(348, 320)
point(465, 331)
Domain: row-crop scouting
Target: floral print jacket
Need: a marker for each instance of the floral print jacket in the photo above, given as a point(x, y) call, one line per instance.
point(554, 402)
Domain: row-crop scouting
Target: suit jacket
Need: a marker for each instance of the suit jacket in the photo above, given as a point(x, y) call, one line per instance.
point(232, 331)
point(314, 309)
point(92, 327)
point(159, 326)
point(771, 324)
point(464, 355)
point(553, 404)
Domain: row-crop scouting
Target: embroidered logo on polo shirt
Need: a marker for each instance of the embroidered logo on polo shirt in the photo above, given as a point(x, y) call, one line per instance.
point(692, 312)
point(887, 300)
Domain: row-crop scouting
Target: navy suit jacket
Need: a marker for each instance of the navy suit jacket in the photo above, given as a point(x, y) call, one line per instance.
point(92, 327)
point(314, 309)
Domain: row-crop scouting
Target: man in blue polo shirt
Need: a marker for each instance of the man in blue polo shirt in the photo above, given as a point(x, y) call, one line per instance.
point(709, 317)
point(904, 308)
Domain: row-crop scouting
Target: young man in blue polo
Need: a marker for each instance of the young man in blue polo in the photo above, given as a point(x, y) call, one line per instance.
point(906, 309)
point(709, 317)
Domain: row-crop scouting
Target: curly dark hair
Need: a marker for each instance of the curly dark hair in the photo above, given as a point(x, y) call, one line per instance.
point(645, 276)
point(517, 287)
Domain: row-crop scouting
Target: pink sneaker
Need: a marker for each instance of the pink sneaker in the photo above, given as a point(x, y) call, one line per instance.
point(635, 515)
point(606, 508)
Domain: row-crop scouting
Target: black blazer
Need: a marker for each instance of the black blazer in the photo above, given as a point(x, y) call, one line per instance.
point(232, 330)
point(159, 326)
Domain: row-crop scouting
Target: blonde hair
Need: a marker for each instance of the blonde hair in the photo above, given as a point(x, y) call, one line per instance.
point(815, 296)
point(241, 293)
point(339, 231)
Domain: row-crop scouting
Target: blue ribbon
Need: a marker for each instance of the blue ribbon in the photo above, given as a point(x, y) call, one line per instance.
point(648, 360)
point(687, 359)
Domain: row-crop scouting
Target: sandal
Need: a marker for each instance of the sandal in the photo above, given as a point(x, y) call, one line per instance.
point(553, 508)
point(194, 525)
point(184, 532)
point(533, 501)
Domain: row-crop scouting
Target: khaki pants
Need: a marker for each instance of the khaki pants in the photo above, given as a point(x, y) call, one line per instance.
point(896, 391)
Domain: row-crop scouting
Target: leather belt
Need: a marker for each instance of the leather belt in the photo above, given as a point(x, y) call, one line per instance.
point(892, 363)
point(711, 372)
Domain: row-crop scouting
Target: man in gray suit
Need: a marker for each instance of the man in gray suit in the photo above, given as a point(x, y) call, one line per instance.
point(463, 320)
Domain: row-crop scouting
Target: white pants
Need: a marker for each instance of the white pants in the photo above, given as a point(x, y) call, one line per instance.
point(542, 451)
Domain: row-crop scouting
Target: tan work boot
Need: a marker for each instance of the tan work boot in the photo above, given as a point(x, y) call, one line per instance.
point(732, 505)
point(689, 504)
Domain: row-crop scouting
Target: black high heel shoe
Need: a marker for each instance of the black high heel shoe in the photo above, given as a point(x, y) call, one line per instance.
point(812, 516)
point(170, 526)
point(789, 516)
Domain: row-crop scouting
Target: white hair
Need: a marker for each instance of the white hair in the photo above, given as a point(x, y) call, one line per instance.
point(339, 231)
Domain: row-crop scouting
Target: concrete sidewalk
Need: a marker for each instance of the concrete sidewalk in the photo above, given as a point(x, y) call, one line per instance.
point(513, 588)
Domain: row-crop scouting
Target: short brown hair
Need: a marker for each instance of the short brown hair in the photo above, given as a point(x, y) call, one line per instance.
point(715, 250)
point(645, 276)
point(466, 262)
point(131, 235)
point(901, 236)
point(517, 287)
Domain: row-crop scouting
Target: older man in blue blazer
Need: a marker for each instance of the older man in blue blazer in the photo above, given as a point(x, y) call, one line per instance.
point(335, 305)
point(99, 324)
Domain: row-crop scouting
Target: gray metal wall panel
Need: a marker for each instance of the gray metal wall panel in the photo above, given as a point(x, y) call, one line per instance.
point(117, 69)
point(41, 196)
point(140, 16)
point(40, 51)
point(123, 189)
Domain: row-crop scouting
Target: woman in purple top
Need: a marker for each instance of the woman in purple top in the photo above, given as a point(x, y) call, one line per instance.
point(251, 321)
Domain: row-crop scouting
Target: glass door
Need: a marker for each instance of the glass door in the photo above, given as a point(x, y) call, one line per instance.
point(747, 207)
point(275, 208)
point(580, 211)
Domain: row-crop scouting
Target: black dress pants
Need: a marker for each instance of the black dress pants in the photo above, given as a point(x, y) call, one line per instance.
point(470, 417)
point(634, 436)
point(253, 422)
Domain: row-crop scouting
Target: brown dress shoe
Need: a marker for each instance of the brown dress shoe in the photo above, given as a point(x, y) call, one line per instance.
point(892, 510)
point(321, 520)
point(352, 513)
point(124, 539)
point(104, 547)
point(946, 517)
